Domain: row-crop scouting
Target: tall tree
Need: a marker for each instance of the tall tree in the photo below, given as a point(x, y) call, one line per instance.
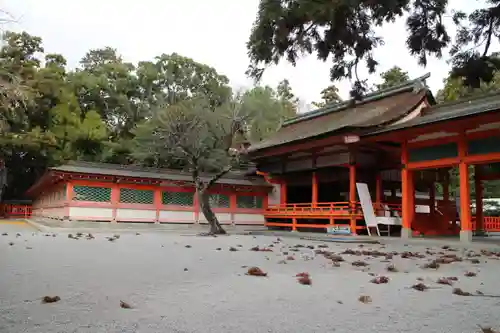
point(287, 97)
point(201, 139)
point(344, 31)
point(329, 95)
point(392, 77)
point(266, 110)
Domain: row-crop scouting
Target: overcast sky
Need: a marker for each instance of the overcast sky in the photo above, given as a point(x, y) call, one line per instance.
point(212, 32)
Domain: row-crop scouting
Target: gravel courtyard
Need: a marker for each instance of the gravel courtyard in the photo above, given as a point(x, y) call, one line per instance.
point(178, 283)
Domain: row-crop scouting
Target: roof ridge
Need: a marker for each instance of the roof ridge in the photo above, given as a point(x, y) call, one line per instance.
point(469, 99)
point(379, 94)
point(140, 168)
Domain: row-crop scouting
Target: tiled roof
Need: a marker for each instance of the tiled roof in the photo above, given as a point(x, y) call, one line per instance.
point(237, 177)
point(448, 111)
point(376, 109)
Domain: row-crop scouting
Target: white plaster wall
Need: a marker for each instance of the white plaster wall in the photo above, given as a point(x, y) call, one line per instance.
point(257, 219)
point(274, 197)
point(88, 213)
point(56, 212)
point(177, 216)
point(127, 214)
point(224, 218)
point(415, 113)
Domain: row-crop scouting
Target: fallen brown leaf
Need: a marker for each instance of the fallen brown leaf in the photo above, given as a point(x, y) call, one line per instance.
point(50, 299)
point(470, 274)
point(290, 258)
point(433, 264)
point(125, 305)
point(380, 280)
point(302, 274)
point(460, 292)
point(305, 280)
point(392, 268)
point(420, 287)
point(444, 280)
point(233, 249)
point(365, 299)
point(359, 263)
point(255, 271)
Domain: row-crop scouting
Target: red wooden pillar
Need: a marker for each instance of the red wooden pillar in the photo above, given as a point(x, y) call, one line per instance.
point(352, 196)
point(465, 216)
point(479, 200)
point(314, 186)
point(407, 194)
point(157, 200)
point(69, 198)
point(283, 189)
point(115, 199)
point(233, 204)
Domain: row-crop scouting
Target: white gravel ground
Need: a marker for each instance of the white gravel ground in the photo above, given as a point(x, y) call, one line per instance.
point(215, 295)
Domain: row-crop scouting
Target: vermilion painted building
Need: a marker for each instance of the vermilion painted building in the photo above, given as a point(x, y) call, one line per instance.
point(394, 140)
point(116, 193)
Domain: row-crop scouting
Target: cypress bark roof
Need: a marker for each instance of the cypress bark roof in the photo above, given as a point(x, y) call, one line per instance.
point(377, 109)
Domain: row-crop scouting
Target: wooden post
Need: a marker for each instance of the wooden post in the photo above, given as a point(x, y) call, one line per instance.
point(115, 199)
point(283, 189)
point(407, 194)
point(465, 216)
point(378, 191)
point(479, 200)
point(352, 196)
point(294, 224)
point(432, 199)
point(314, 186)
point(158, 203)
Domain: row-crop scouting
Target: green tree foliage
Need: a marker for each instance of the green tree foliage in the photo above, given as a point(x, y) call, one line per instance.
point(102, 110)
point(329, 95)
point(344, 32)
point(266, 109)
point(392, 77)
point(202, 139)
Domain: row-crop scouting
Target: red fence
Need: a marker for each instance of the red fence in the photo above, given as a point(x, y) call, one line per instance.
point(15, 211)
point(490, 223)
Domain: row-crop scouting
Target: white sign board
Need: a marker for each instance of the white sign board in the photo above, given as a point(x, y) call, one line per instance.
point(351, 139)
point(339, 230)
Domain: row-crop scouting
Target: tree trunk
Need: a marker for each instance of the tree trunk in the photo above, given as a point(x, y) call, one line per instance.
point(204, 200)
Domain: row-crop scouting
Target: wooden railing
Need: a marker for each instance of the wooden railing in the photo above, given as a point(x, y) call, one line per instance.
point(320, 208)
point(15, 211)
point(490, 223)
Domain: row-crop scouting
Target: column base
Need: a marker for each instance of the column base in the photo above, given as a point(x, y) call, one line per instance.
point(466, 236)
point(406, 233)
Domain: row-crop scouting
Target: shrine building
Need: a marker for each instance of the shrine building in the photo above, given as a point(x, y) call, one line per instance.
point(382, 164)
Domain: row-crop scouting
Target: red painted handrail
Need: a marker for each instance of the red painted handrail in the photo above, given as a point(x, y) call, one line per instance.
point(17, 211)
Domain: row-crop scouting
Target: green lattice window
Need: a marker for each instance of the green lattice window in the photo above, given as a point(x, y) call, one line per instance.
point(91, 193)
point(129, 195)
point(177, 198)
point(248, 201)
point(219, 201)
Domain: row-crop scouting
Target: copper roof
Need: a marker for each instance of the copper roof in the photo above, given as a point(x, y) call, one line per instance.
point(377, 109)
